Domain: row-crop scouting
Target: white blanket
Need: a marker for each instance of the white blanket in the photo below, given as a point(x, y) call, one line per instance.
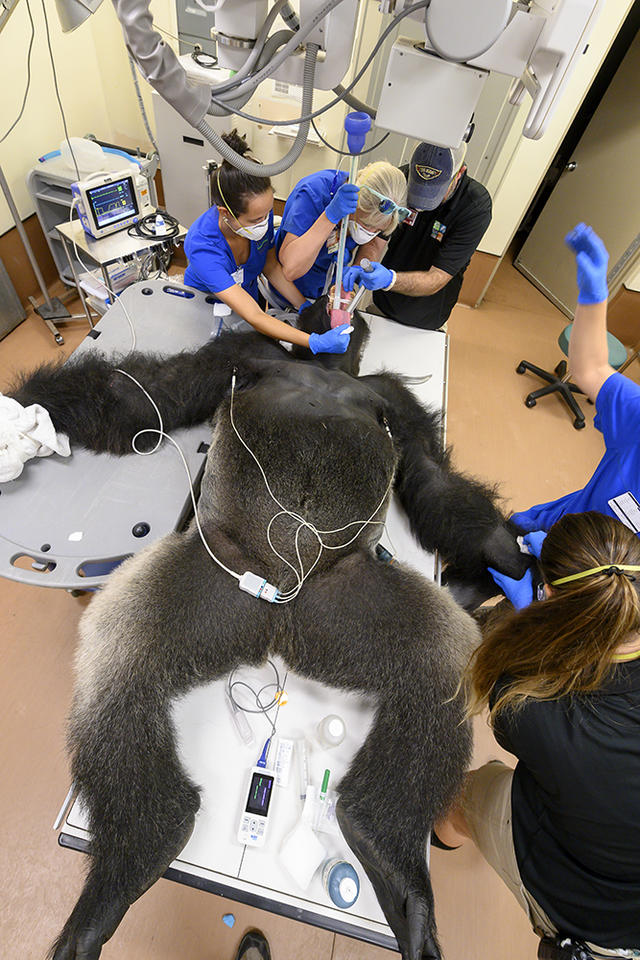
point(26, 432)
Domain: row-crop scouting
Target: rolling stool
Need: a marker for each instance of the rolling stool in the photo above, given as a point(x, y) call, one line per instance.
point(559, 380)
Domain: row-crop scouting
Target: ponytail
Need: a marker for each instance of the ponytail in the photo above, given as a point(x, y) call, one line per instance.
point(566, 644)
point(229, 186)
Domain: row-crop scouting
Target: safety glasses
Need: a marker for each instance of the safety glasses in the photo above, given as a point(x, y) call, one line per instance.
point(387, 205)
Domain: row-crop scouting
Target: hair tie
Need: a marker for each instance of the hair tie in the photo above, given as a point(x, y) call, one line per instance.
point(610, 568)
point(619, 572)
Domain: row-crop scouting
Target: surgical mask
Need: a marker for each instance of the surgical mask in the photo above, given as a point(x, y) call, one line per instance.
point(254, 232)
point(359, 234)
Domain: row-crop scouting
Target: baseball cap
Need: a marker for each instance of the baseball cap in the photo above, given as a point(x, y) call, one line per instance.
point(431, 170)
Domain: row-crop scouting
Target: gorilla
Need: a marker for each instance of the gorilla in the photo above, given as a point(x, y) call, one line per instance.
point(332, 446)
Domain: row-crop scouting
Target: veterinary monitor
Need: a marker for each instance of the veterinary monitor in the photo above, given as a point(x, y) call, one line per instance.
point(111, 201)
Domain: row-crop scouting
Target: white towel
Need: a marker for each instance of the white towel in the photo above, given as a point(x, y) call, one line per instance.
point(26, 432)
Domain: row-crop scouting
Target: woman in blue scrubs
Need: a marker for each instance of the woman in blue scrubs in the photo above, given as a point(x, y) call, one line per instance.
point(307, 240)
point(232, 243)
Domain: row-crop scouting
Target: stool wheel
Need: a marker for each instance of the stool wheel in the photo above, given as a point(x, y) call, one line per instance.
point(579, 424)
point(529, 402)
point(520, 368)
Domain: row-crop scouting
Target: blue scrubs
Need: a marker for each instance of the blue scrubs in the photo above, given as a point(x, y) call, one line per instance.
point(309, 198)
point(212, 266)
point(618, 473)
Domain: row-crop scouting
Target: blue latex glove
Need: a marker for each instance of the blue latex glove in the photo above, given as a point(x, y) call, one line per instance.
point(333, 341)
point(520, 592)
point(303, 306)
point(374, 279)
point(343, 203)
point(591, 262)
point(534, 541)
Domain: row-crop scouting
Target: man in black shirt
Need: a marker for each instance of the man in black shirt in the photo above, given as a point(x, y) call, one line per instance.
point(430, 251)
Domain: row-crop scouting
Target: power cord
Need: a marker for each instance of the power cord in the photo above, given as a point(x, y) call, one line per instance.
point(100, 278)
point(204, 59)
point(26, 92)
point(347, 153)
point(146, 226)
point(55, 83)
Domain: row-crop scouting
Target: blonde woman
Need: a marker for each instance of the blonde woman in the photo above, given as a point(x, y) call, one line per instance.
point(562, 681)
point(307, 240)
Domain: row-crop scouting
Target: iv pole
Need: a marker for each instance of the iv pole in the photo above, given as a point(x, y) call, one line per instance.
point(52, 309)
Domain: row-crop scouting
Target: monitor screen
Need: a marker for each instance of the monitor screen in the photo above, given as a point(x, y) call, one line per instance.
point(259, 794)
point(111, 202)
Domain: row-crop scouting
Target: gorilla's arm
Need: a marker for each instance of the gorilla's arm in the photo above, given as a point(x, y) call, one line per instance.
point(101, 409)
point(448, 511)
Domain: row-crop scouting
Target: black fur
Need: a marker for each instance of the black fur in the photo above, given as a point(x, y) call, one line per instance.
point(170, 619)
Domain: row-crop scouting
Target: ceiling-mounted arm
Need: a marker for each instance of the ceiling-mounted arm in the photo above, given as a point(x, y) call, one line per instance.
point(158, 63)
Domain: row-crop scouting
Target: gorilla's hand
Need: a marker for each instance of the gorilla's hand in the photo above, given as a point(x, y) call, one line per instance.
point(407, 903)
point(501, 551)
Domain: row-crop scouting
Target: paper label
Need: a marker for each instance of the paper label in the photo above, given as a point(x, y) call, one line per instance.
point(238, 276)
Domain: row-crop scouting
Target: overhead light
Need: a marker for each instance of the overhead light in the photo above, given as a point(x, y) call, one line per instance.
point(71, 13)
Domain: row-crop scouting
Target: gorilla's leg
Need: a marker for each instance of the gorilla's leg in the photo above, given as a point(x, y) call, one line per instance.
point(101, 409)
point(168, 619)
point(448, 511)
point(386, 631)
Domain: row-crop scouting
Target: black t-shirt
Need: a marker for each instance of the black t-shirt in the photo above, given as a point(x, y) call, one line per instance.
point(576, 807)
point(446, 238)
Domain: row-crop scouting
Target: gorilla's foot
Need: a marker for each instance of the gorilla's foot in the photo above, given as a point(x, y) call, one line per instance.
point(405, 902)
point(88, 928)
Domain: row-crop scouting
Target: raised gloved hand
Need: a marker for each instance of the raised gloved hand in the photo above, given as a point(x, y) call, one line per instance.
point(343, 203)
point(520, 592)
point(534, 541)
point(375, 279)
point(335, 340)
point(591, 262)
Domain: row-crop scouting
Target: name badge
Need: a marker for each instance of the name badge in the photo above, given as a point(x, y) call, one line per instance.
point(238, 276)
point(438, 231)
point(333, 242)
point(626, 508)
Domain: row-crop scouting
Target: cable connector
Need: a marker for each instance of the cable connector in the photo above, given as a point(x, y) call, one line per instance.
point(264, 756)
point(258, 587)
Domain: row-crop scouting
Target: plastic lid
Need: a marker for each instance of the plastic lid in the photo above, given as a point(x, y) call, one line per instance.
point(336, 727)
point(348, 890)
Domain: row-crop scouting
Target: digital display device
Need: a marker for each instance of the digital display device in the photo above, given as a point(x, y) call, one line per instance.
point(111, 202)
point(108, 202)
point(259, 794)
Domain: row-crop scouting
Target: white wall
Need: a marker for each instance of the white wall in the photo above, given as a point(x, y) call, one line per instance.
point(523, 163)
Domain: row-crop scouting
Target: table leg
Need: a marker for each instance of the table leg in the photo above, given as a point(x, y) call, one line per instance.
point(87, 312)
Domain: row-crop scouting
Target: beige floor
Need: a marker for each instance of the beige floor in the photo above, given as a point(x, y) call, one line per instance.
point(532, 454)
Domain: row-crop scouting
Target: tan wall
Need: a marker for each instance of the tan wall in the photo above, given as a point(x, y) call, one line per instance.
point(523, 163)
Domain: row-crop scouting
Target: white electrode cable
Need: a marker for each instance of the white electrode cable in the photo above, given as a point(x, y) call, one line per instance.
point(301, 575)
point(256, 589)
point(145, 453)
